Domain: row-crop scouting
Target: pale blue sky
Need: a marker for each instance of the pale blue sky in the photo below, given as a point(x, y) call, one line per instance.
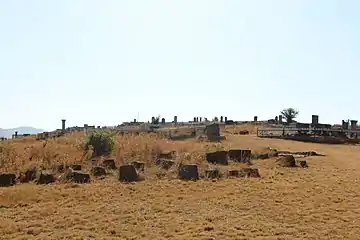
point(102, 62)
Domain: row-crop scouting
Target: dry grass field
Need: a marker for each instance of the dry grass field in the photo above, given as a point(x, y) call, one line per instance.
point(319, 202)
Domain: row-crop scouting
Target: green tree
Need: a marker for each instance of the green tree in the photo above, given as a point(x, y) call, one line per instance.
point(100, 142)
point(289, 114)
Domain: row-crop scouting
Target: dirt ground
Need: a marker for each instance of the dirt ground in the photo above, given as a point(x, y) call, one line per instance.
point(321, 202)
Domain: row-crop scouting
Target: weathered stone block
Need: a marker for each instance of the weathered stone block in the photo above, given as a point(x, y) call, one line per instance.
point(75, 167)
point(45, 178)
point(218, 157)
point(28, 176)
point(76, 176)
point(128, 173)
point(7, 179)
point(188, 172)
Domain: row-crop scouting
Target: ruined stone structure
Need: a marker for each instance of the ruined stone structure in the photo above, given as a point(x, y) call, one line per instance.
point(280, 119)
point(175, 119)
point(15, 135)
point(255, 118)
point(353, 124)
point(345, 125)
point(63, 125)
point(314, 120)
point(212, 132)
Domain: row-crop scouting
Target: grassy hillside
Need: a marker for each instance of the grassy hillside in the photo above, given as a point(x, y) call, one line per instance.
point(320, 202)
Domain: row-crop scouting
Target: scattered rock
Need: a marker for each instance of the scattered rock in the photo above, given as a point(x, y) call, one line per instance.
point(45, 178)
point(109, 164)
point(214, 173)
point(188, 172)
point(251, 172)
point(218, 157)
point(312, 153)
point(286, 161)
point(28, 176)
point(139, 166)
point(98, 171)
point(302, 163)
point(7, 179)
point(80, 177)
point(301, 154)
point(165, 163)
point(244, 132)
point(128, 173)
point(75, 176)
point(208, 228)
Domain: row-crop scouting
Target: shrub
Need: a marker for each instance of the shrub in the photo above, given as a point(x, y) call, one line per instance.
point(100, 143)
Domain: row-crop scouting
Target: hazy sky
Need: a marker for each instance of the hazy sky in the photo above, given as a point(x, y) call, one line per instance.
point(103, 62)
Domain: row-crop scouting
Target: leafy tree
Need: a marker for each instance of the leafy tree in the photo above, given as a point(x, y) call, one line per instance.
point(289, 114)
point(101, 143)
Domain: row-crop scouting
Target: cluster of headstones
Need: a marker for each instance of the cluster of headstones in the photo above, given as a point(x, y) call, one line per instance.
point(73, 173)
point(134, 171)
point(190, 171)
point(200, 119)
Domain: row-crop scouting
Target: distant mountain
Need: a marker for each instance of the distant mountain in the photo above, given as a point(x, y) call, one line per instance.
point(21, 130)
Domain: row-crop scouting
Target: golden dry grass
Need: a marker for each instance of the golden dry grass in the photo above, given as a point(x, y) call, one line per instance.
point(321, 202)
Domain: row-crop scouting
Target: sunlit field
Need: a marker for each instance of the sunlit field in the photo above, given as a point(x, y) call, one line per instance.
point(318, 202)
